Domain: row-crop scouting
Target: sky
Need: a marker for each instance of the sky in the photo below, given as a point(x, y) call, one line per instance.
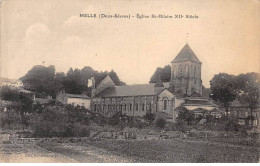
point(225, 37)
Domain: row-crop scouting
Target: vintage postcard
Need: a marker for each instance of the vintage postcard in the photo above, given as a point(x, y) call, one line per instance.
point(130, 81)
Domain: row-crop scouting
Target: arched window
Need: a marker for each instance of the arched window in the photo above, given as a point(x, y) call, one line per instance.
point(175, 72)
point(194, 71)
point(125, 107)
point(95, 108)
point(130, 107)
point(186, 70)
point(143, 106)
point(149, 106)
point(180, 71)
point(136, 106)
point(165, 103)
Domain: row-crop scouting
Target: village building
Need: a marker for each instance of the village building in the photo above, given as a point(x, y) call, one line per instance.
point(13, 83)
point(159, 98)
point(243, 113)
point(73, 99)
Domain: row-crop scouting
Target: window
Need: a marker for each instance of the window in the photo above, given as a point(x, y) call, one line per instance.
point(165, 102)
point(175, 72)
point(149, 106)
point(95, 108)
point(130, 107)
point(136, 106)
point(142, 106)
point(194, 71)
point(125, 107)
point(114, 107)
point(180, 71)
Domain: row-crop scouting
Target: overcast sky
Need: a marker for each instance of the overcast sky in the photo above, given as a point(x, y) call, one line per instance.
point(225, 37)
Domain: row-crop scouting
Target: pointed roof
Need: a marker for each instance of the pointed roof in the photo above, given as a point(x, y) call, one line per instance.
point(186, 54)
point(108, 81)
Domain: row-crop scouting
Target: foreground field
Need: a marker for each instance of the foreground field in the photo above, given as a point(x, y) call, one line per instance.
point(156, 151)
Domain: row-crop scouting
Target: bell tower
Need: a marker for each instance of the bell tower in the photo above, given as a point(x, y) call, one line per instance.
point(186, 72)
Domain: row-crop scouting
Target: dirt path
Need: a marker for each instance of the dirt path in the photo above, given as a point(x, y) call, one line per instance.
point(56, 153)
point(86, 154)
point(29, 153)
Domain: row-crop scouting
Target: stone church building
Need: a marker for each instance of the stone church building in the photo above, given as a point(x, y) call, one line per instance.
point(162, 99)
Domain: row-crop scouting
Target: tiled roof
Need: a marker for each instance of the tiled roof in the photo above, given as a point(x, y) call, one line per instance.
point(130, 90)
point(77, 96)
point(186, 54)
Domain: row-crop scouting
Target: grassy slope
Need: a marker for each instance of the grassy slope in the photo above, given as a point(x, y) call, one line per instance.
point(165, 150)
point(178, 151)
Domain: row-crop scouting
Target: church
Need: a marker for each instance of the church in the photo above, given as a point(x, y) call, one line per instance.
point(161, 99)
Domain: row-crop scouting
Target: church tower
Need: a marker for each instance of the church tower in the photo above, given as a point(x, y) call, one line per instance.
point(186, 72)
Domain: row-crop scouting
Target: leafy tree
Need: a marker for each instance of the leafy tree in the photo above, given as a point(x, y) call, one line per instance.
point(223, 89)
point(6, 93)
point(248, 90)
point(206, 91)
point(160, 122)
point(185, 115)
point(164, 73)
point(21, 102)
point(149, 117)
point(115, 78)
point(40, 79)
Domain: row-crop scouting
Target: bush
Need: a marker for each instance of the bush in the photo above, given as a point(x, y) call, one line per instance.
point(182, 126)
point(149, 117)
point(160, 122)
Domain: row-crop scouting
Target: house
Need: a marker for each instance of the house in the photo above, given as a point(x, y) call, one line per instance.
point(73, 99)
point(159, 98)
point(11, 82)
point(27, 93)
point(243, 113)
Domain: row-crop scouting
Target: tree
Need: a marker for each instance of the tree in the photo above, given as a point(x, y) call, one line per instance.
point(185, 115)
point(149, 117)
point(8, 94)
point(223, 89)
point(40, 79)
point(115, 78)
point(160, 122)
point(248, 89)
point(164, 73)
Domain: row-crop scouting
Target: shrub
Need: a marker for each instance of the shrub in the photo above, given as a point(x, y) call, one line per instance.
point(149, 117)
point(182, 126)
point(160, 122)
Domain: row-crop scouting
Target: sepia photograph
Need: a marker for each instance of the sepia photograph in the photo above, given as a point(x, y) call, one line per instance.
point(129, 81)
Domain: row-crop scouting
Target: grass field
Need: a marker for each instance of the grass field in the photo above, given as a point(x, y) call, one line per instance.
point(166, 150)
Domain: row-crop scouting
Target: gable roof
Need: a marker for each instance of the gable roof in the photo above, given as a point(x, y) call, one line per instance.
point(130, 90)
point(106, 80)
point(186, 54)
